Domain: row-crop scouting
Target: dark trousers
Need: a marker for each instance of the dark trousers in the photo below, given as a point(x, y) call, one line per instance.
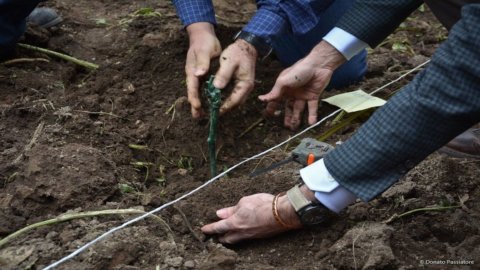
point(290, 48)
point(12, 22)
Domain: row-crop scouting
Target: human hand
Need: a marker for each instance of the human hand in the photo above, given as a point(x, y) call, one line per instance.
point(302, 84)
point(238, 61)
point(204, 46)
point(252, 218)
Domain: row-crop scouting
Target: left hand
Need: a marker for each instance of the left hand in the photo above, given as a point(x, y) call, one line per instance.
point(238, 61)
point(302, 84)
point(252, 218)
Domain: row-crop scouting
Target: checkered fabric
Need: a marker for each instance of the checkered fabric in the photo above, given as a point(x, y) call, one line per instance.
point(440, 103)
point(273, 17)
point(192, 11)
point(373, 20)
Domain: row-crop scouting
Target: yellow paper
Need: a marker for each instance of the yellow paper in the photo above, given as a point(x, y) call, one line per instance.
point(355, 101)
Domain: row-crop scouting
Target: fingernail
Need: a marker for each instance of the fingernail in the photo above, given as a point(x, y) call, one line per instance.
point(199, 72)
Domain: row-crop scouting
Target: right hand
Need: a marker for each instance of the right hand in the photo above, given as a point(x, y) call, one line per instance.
point(204, 46)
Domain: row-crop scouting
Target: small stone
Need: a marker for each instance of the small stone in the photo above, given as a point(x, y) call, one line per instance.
point(189, 264)
point(182, 172)
point(174, 261)
point(128, 88)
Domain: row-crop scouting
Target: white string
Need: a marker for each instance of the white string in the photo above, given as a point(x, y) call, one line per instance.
point(92, 242)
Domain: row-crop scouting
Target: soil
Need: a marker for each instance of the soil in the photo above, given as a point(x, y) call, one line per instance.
point(66, 132)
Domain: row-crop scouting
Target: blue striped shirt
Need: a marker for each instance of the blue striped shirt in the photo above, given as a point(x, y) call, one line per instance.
point(273, 17)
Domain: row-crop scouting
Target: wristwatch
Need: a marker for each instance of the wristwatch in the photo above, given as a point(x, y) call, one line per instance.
point(262, 47)
point(310, 213)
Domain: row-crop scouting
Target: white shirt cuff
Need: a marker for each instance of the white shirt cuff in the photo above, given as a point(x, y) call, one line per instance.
point(347, 44)
point(327, 191)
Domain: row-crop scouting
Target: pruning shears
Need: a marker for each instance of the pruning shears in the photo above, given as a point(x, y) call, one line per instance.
point(307, 152)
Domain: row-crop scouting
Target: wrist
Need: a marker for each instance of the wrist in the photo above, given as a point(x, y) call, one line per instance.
point(199, 29)
point(247, 47)
point(287, 212)
point(327, 56)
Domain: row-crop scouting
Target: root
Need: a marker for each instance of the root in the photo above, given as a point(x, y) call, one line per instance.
point(187, 223)
point(65, 57)
point(439, 208)
point(251, 127)
point(71, 216)
point(24, 60)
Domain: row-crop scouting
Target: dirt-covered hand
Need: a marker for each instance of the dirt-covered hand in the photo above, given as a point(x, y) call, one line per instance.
point(237, 61)
point(302, 85)
point(252, 218)
point(204, 46)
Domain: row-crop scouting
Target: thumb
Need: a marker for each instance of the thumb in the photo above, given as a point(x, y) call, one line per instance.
point(226, 212)
point(202, 64)
point(275, 94)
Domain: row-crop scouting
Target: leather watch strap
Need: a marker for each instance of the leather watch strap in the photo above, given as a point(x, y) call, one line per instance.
point(297, 199)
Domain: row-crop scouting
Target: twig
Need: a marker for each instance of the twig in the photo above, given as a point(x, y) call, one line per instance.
point(99, 113)
point(65, 57)
point(353, 246)
point(71, 216)
point(426, 209)
point(24, 60)
point(251, 127)
point(29, 146)
point(187, 223)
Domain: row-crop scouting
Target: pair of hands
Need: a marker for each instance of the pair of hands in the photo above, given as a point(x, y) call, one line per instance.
point(299, 86)
point(237, 61)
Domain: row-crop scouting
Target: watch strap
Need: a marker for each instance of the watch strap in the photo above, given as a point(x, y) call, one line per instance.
point(297, 199)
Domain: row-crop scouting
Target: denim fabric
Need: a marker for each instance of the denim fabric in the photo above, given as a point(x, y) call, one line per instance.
point(12, 22)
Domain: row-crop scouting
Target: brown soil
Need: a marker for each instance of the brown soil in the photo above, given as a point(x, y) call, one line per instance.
point(80, 160)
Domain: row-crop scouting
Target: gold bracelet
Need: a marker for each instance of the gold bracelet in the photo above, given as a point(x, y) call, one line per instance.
point(275, 212)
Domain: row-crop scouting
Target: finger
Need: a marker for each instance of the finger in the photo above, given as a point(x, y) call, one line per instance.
point(271, 108)
point(312, 111)
point(232, 237)
point(238, 97)
point(276, 93)
point(202, 63)
point(219, 227)
point(298, 108)
point(226, 212)
point(225, 73)
point(193, 84)
point(288, 114)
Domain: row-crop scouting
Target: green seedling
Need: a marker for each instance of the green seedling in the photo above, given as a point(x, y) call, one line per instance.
point(142, 12)
point(126, 188)
point(143, 165)
point(185, 163)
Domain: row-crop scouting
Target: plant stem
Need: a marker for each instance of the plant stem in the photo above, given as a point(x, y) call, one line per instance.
point(65, 57)
point(70, 216)
point(214, 100)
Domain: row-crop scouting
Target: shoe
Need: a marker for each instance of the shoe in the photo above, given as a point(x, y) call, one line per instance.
point(44, 17)
point(465, 145)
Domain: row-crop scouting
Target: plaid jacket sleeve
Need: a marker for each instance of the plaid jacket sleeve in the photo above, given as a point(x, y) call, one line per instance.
point(373, 20)
point(441, 102)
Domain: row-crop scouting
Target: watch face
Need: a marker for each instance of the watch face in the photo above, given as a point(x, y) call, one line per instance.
point(313, 215)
